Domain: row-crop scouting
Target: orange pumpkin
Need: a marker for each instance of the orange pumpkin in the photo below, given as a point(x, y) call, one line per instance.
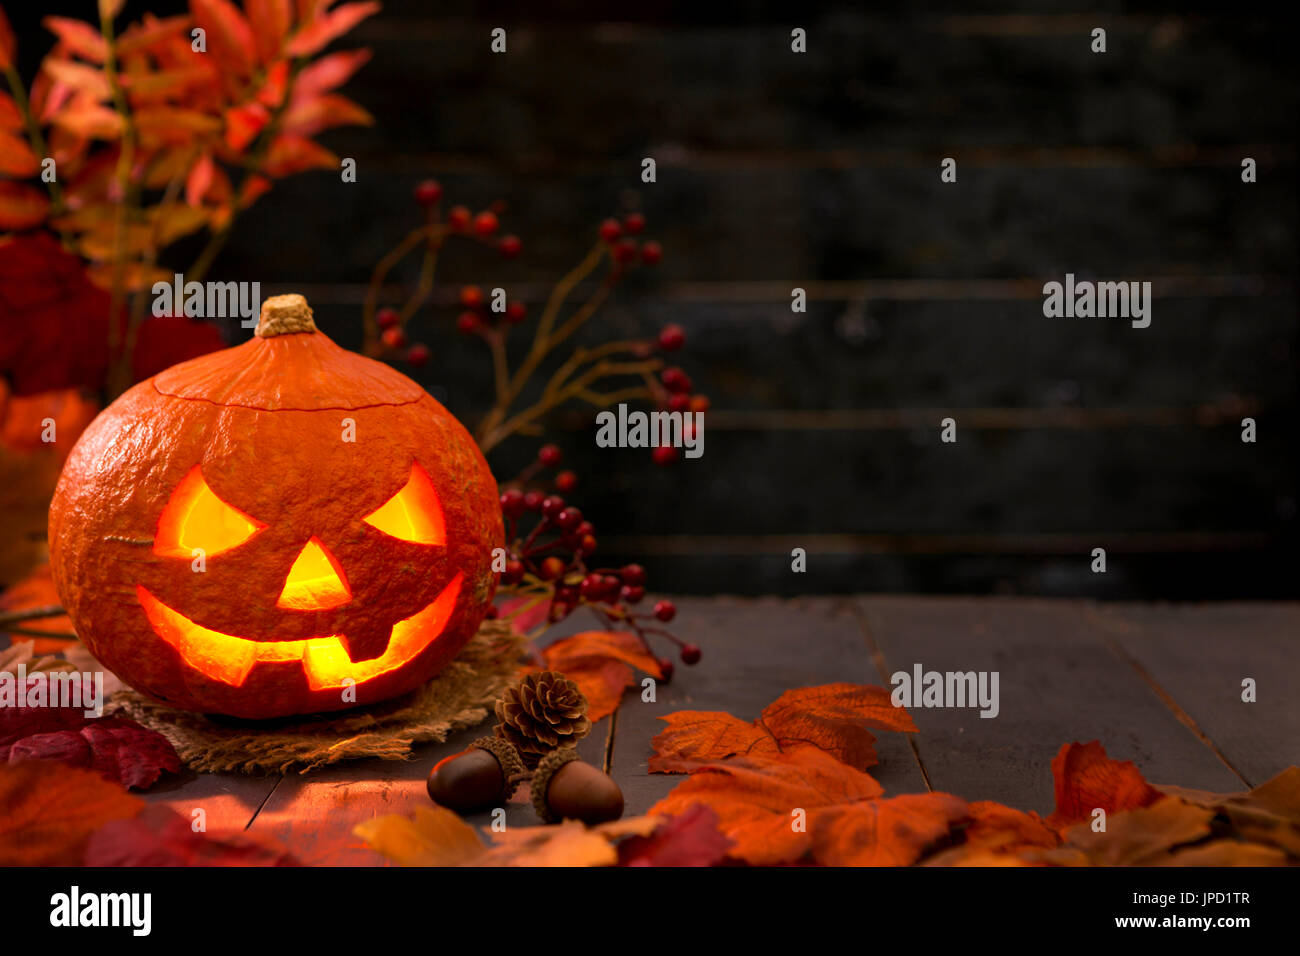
point(278, 528)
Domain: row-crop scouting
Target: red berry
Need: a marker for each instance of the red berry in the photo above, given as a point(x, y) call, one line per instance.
point(675, 380)
point(666, 668)
point(549, 455)
point(567, 594)
point(665, 610)
point(458, 219)
point(491, 612)
point(700, 403)
point(515, 312)
point(634, 222)
point(552, 507)
point(418, 355)
point(584, 529)
point(679, 402)
point(512, 503)
point(593, 586)
point(471, 296)
point(386, 318)
point(559, 611)
point(467, 323)
point(485, 223)
point(569, 518)
point(394, 338)
point(633, 575)
point(566, 481)
point(624, 250)
point(632, 594)
point(588, 545)
point(664, 455)
point(510, 246)
point(671, 338)
point(514, 572)
point(533, 500)
point(551, 568)
point(652, 253)
point(428, 192)
point(611, 584)
point(690, 654)
point(610, 230)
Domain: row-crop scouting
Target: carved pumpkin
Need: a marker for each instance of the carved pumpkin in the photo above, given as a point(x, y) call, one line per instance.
point(278, 528)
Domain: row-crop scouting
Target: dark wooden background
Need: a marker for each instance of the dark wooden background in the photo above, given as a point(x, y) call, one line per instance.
point(821, 170)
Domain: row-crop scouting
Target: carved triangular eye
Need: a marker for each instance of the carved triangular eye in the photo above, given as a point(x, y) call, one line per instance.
point(413, 514)
point(196, 519)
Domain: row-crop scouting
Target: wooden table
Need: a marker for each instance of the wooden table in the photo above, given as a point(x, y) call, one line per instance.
point(1157, 684)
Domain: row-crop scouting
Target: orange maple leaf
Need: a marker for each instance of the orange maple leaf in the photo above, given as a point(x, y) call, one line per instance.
point(48, 812)
point(765, 803)
point(831, 717)
point(893, 832)
point(1087, 779)
point(600, 663)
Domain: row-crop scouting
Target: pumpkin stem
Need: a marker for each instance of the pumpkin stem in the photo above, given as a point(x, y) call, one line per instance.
point(284, 315)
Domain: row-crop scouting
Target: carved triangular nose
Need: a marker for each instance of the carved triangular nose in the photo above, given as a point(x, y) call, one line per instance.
point(315, 582)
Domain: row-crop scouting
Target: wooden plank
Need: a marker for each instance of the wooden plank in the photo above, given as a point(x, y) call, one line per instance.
point(1198, 656)
point(1059, 682)
point(229, 801)
point(754, 651)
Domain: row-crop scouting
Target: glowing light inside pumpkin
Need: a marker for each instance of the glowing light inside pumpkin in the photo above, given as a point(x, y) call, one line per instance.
point(413, 514)
point(195, 518)
point(315, 582)
point(324, 660)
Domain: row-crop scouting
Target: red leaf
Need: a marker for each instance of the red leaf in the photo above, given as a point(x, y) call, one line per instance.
point(329, 72)
point(48, 812)
point(167, 340)
point(328, 27)
point(893, 832)
point(244, 122)
point(1087, 779)
point(251, 189)
point(524, 613)
point(311, 116)
point(270, 20)
point(7, 42)
point(199, 180)
point(79, 37)
point(16, 158)
point(598, 662)
point(21, 207)
point(691, 838)
point(294, 154)
point(230, 38)
point(160, 836)
point(10, 118)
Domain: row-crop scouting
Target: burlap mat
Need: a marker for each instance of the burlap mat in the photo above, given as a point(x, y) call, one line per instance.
point(461, 696)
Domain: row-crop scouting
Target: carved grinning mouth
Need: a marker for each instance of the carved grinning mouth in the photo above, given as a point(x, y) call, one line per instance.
point(325, 660)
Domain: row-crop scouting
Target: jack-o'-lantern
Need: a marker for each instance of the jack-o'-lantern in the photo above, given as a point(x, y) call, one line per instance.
point(282, 527)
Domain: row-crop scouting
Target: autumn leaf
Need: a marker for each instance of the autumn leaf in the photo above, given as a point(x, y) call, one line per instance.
point(434, 837)
point(270, 21)
point(10, 118)
point(689, 839)
point(832, 717)
point(756, 799)
point(311, 116)
point(48, 812)
point(159, 836)
point(199, 179)
point(892, 832)
point(79, 77)
point(601, 664)
point(296, 154)
point(88, 119)
point(993, 826)
point(37, 589)
point(1086, 779)
point(16, 157)
point(1136, 837)
point(21, 206)
point(1223, 853)
point(7, 43)
point(230, 38)
point(119, 749)
point(79, 37)
point(329, 72)
point(244, 122)
point(329, 26)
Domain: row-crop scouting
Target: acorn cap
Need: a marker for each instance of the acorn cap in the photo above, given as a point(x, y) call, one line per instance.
point(546, 769)
point(512, 765)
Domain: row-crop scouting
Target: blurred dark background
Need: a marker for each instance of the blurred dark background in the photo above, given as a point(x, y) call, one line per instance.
point(821, 170)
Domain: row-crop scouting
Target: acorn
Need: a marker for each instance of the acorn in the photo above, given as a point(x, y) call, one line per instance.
point(565, 788)
point(481, 777)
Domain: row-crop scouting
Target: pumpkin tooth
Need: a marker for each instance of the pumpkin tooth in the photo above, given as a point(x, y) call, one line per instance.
point(323, 660)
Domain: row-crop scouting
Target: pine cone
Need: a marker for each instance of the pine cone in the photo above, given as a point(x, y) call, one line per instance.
point(542, 713)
